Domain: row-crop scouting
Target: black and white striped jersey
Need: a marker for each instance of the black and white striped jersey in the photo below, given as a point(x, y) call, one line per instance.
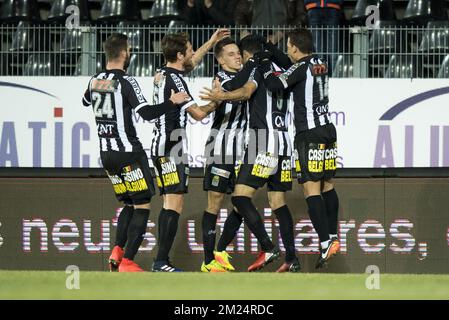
point(269, 111)
point(113, 96)
point(169, 129)
point(226, 142)
point(309, 81)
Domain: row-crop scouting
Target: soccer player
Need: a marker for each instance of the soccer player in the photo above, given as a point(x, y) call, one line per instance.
point(169, 146)
point(224, 148)
point(316, 137)
point(114, 95)
point(270, 164)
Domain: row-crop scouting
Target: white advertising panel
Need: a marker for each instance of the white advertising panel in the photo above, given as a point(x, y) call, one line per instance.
point(380, 122)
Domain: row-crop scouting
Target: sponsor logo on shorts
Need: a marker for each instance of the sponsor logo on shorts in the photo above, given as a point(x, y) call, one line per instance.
point(215, 181)
point(134, 179)
point(265, 165)
point(321, 158)
point(330, 156)
point(220, 172)
point(286, 170)
point(117, 184)
point(169, 174)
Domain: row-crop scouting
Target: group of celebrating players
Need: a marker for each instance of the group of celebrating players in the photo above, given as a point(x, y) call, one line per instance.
point(258, 93)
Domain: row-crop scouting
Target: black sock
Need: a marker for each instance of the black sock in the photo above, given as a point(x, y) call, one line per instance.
point(231, 226)
point(317, 213)
point(332, 204)
point(136, 230)
point(168, 225)
point(208, 225)
point(122, 225)
point(253, 220)
point(286, 228)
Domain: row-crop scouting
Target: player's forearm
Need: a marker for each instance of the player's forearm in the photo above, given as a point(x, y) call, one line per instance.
point(241, 77)
point(153, 112)
point(241, 94)
point(210, 107)
point(201, 52)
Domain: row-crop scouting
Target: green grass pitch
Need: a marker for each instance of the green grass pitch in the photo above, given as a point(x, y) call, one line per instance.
point(199, 286)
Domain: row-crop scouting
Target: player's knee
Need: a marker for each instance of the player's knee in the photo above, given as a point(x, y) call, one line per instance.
point(174, 202)
point(276, 201)
point(312, 188)
point(328, 186)
point(215, 201)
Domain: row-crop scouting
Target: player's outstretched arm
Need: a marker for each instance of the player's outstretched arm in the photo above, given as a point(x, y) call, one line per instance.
point(289, 78)
point(278, 56)
point(199, 113)
point(241, 77)
point(148, 112)
point(217, 94)
point(201, 51)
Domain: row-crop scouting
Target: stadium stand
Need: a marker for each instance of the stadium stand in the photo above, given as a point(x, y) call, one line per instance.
point(164, 11)
point(420, 12)
point(413, 32)
point(114, 11)
point(13, 11)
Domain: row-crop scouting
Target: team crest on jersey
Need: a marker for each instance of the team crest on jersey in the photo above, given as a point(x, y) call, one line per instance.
point(319, 69)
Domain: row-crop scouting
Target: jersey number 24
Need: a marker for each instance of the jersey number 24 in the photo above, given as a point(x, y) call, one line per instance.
point(103, 105)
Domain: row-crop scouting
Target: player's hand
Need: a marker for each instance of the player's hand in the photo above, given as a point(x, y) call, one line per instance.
point(219, 34)
point(180, 97)
point(214, 94)
point(263, 56)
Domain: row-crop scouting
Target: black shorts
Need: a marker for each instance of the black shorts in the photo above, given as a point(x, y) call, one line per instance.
point(171, 177)
point(275, 171)
point(219, 178)
point(317, 154)
point(130, 175)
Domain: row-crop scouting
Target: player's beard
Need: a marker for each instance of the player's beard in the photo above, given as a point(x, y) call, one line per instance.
point(127, 61)
point(188, 66)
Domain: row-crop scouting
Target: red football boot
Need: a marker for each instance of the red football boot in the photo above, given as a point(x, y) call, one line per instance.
point(116, 258)
point(129, 266)
point(263, 259)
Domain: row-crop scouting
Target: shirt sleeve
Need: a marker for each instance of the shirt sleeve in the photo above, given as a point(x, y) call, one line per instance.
point(179, 86)
point(296, 73)
point(87, 98)
point(240, 78)
point(255, 77)
point(134, 95)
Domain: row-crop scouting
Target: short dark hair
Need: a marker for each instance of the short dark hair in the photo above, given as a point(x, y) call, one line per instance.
point(218, 49)
point(251, 43)
point(114, 45)
point(174, 43)
point(302, 39)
